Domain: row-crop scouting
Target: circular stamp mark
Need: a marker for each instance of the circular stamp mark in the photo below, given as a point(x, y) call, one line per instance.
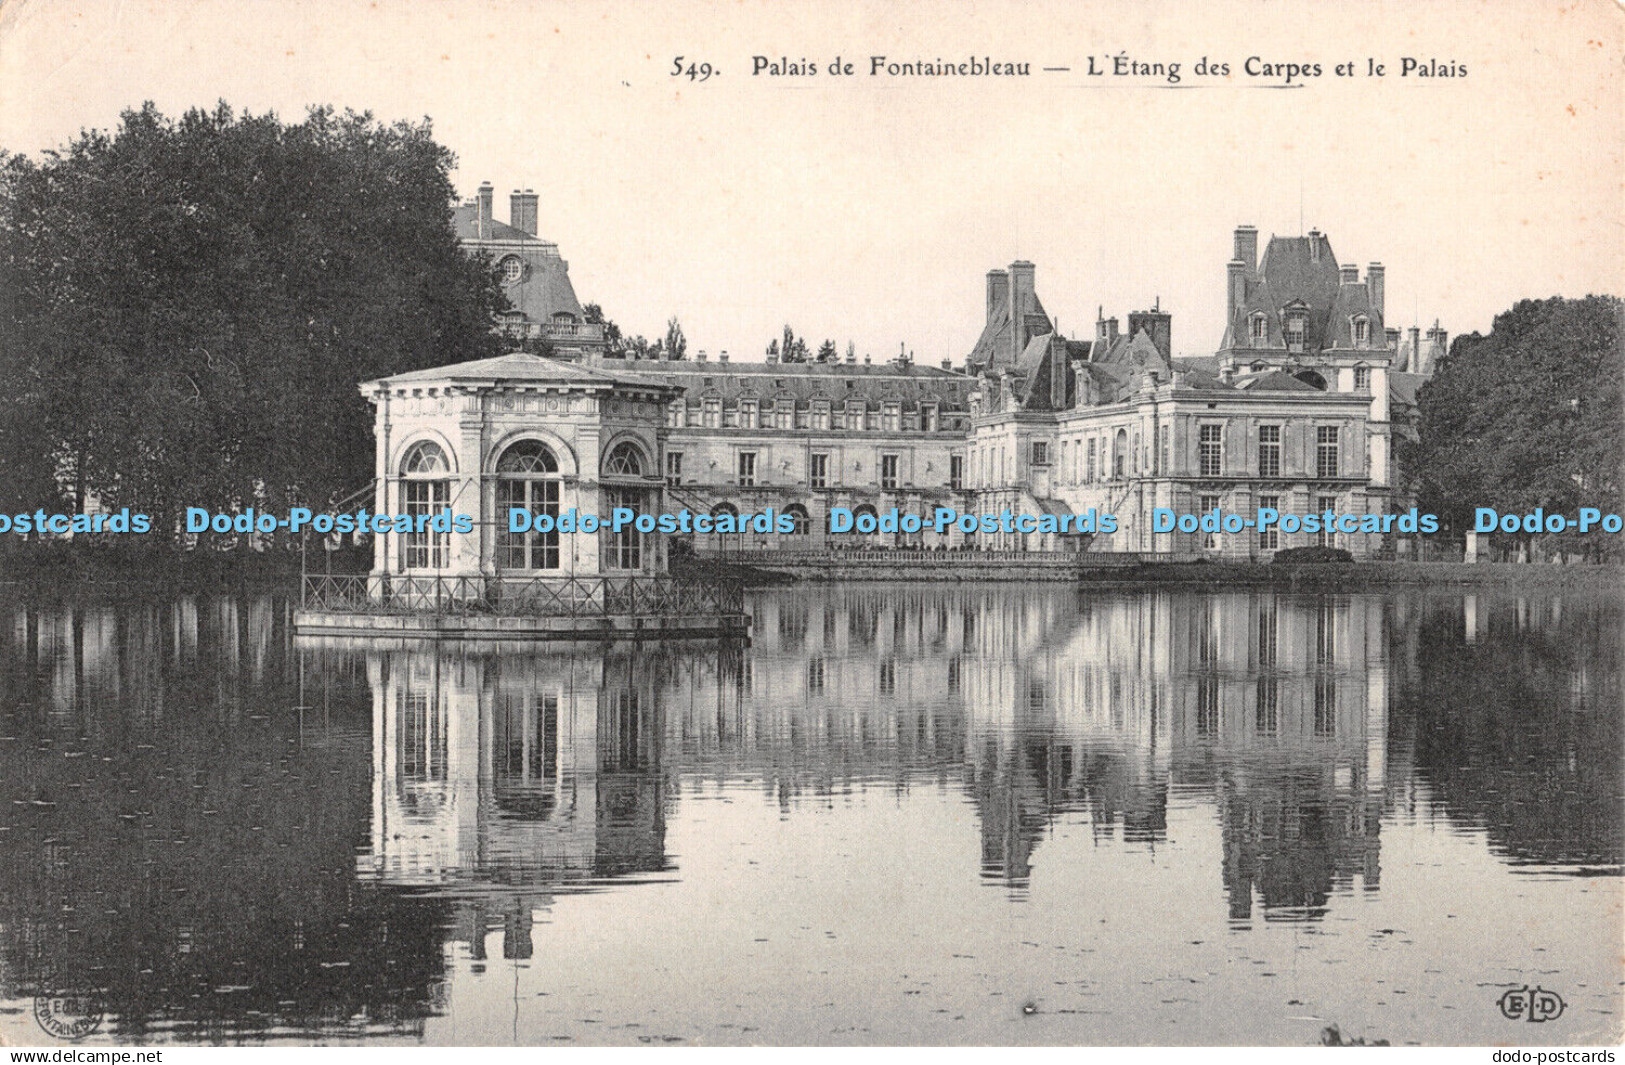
point(67, 1016)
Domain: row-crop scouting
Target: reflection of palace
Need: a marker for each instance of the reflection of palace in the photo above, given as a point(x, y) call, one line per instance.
point(182, 787)
point(499, 778)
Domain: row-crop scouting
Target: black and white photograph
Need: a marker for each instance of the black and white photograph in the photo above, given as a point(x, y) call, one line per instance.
point(590, 524)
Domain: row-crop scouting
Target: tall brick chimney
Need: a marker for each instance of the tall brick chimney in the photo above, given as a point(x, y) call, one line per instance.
point(998, 292)
point(1247, 248)
point(1375, 275)
point(523, 208)
point(1158, 323)
point(483, 222)
point(1348, 274)
point(1236, 296)
point(1021, 297)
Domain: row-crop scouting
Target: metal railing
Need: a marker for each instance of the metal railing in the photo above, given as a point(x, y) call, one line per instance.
point(905, 557)
point(523, 596)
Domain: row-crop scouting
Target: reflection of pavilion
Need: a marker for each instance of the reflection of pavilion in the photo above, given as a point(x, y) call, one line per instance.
point(498, 779)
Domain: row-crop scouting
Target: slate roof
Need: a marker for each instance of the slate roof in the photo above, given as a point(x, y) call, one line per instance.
point(519, 368)
point(994, 347)
point(1302, 273)
point(465, 222)
point(805, 381)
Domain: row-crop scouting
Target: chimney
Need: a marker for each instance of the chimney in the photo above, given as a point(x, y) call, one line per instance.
point(1111, 330)
point(1437, 348)
point(1314, 245)
point(866, 358)
point(722, 357)
point(522, 210)
point(1246, 248)
point(701, 356)
point(773, 357)
point(1158, 324)
point(1348, 274)
point(1393, 338)
point(1237, 283)
point(483, 222)
point(1100, 324)
point(947, 364)
point(1413, 344)
point(851, 357)
point(998, 292)
point(1375, 274)
point(1021, 297)
point(1227, 373)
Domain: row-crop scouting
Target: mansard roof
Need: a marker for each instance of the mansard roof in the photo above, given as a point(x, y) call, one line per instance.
point(908, 384)
point(465, 221)
point(1301, 274)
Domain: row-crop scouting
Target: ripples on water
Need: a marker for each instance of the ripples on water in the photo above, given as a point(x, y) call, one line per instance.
point(998, 814)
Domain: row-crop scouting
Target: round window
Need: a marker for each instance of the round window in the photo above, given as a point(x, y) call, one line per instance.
point(512, 269)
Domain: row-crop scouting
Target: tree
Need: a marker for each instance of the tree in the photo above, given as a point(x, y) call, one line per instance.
point(1527, 417)
point(190, 304)
point(593, 314)
point(676, 343)
point(826, 351)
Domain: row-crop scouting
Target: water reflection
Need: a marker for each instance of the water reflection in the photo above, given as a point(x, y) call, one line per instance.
point(217, 831)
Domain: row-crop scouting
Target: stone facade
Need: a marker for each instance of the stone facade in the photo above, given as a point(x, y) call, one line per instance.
point(518, 430)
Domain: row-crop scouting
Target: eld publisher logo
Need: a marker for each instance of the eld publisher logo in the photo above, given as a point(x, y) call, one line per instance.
point(1533, 1004)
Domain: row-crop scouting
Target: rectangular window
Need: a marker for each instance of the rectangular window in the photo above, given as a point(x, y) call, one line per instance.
point(889, 417)
point(1295, 333)
point(623, 550)
point(1362, 331)
point(1326, 451)
point(426, 549)
point(1208, 504)
point(786, 418)
point(956, 472)
point(1269, 451)
point(674, 468)
point(1269, 539)
point(747, 468)
point(1326, 537)
point(1165, 431)
point(818, 471)
point(1362, 378)
point(1040, 453)
point(713, 414)
point(888, 471)
point(677, 413)
point(1260, 329)
point(747, 414)
point(928, 418)
point(854, 417)
point(1089, 473)
point(1210, 446)
point(821, 414)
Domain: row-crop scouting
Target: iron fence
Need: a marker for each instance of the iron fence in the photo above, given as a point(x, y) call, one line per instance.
point(523, 596)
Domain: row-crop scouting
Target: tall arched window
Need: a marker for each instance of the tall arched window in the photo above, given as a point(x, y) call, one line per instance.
point(1120, 456)
point(799, 515)
point(425, 492)
point(623, 547)
point(527, 479)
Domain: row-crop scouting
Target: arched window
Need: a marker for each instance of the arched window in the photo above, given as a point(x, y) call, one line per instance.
point(799, 515)
point(623, 547)
point(1310, 377)
point(724, 509)
point(1259, 328)
point(1120, 456)
point(527, 478)
point(624, 460)
point(425, 491)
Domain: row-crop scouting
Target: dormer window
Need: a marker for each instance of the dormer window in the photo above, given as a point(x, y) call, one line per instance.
point(1296, 327)
point(1362, 378)
point(1260, 329)
point(1362, 331)
point(1259, 367)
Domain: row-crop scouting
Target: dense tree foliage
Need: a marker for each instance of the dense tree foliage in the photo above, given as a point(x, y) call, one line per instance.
point(188, 306)
point(1528, 417)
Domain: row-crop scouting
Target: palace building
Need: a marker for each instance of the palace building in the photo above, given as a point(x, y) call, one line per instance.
point(534, 276)
point(1295, 411)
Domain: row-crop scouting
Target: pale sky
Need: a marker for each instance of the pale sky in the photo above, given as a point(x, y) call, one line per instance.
point(869, 208)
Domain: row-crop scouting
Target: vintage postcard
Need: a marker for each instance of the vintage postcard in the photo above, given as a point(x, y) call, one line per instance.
point(731, 524)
